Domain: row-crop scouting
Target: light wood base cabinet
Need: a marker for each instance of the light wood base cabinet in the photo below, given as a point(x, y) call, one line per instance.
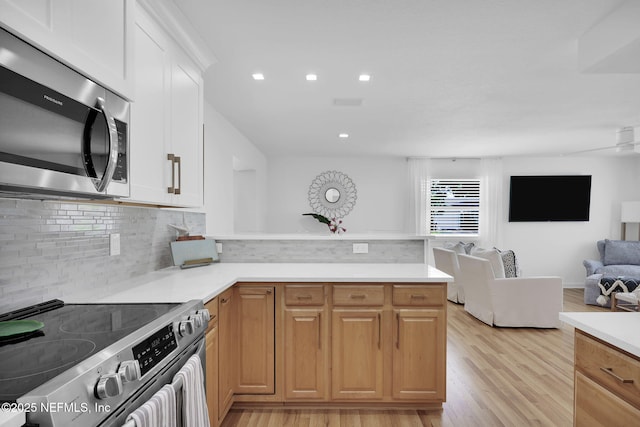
point(418, 356)
point(306, 338)
point(317, 344)
point(607, 384)
point(306, 335)
point(211, 340)
point(357, 358)
point(227, 340)
point(255, 340)
point(595, 406)
point(211, 363)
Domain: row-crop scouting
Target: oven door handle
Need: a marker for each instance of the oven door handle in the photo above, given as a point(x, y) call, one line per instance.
point(112, 132)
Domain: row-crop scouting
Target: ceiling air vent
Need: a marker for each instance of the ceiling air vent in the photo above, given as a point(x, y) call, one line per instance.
point(347, 102)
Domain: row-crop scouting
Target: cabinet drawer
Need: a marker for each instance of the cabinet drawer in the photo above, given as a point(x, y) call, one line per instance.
point(596, 406)
point(304, 295)
point(212, 306)
point(418, 296)
point(355, 295)
point(609, 367)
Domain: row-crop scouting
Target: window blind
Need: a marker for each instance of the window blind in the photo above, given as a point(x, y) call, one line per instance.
point(453, 206)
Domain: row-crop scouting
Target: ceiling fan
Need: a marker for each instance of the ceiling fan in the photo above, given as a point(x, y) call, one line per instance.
point(625, 142)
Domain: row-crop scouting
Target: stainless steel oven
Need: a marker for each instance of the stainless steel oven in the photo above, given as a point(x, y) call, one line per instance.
point(60, 133)
point(93, 364)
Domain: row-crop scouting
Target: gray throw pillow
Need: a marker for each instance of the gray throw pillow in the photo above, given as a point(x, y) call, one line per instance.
point(618, 252)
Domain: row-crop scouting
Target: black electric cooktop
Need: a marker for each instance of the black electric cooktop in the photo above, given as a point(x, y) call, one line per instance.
point(71, 333)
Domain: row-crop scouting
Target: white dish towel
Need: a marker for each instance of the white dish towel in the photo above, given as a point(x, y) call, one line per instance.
point(194, 406)
point(159, 411)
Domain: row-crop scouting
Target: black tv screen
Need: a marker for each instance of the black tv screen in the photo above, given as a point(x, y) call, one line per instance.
point(549, 198)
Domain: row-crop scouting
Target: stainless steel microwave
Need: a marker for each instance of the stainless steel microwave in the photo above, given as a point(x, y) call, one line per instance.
point(61, 134)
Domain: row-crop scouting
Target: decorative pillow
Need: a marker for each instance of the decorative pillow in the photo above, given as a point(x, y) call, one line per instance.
point(621, 252)
point(455, 247)
point(509, 262)
point(460, 247)
point(495, 259)
point(619, 284)
point(467, 247)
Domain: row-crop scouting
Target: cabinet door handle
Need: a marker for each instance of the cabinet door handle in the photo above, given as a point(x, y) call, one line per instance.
point(224, 300)
point(379, 329)
point(178, 161)
point(268, 291)
point(417, 296)
point(398, 331)
point(319, 331)
point(304, 297)
point(609, 371)
point(357, 296)
point(171, 158)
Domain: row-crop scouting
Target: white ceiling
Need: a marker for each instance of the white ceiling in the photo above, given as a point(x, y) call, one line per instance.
point(450, 78)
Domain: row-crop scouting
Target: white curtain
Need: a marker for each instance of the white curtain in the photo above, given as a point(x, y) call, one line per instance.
point(418, 173)
point(491, 205)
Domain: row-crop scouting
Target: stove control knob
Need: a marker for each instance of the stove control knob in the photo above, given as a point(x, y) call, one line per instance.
point(129, 370)
point(186, 327)
point(197, 320)
point(109, 385)
point(206, 316)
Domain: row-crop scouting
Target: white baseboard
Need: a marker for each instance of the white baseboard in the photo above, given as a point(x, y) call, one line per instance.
point(573, 285)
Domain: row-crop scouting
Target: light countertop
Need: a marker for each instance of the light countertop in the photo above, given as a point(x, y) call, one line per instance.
point(619, 329)
point(323, 236)
point(176, 285)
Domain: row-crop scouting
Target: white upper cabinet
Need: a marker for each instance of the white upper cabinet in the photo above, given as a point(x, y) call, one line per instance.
point(91, 36)
point(166, 120)
point(146, 51)
point(187, 130)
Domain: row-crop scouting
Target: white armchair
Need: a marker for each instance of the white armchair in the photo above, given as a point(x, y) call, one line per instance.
point(515, 302)
point(447, 261)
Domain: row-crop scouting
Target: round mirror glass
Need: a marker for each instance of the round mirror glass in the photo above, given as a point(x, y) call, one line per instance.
point(332, 195)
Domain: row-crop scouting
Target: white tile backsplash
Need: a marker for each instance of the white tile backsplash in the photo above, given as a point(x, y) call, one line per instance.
point(50, 249)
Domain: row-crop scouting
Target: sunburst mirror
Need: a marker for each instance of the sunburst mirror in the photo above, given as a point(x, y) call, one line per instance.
point(332, 194)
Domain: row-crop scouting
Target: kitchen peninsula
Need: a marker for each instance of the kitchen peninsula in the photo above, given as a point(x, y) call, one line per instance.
point(314, 334)
point(607, 368)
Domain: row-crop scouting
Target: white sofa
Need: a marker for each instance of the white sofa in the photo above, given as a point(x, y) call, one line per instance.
point(447, 261)
point(514, 302)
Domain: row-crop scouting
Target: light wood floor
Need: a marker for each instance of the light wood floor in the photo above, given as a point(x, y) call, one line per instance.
point(495, 377)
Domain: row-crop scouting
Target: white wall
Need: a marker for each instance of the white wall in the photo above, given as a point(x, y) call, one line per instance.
point(558, 248)
point(554, 248)
point(381, 184)
point(281, 197)
point(227, 152)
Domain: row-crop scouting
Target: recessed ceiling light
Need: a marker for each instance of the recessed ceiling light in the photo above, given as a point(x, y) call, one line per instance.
point(343, 135)
point(312, 77)
point(364, 77)
point(257, 76)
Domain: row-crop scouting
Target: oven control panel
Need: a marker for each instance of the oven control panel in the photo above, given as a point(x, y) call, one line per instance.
point(152, 350)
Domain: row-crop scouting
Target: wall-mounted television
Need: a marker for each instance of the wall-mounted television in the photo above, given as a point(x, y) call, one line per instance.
point(537, 198)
